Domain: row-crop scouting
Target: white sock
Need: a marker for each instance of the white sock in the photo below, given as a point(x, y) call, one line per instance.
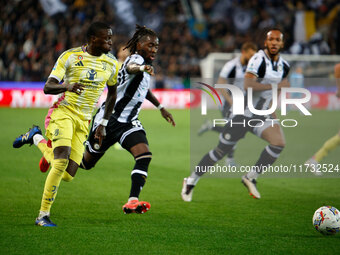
point(43, 214)
point(132, 198)
point(193, 179)
point(252, 175)
point(37, 139)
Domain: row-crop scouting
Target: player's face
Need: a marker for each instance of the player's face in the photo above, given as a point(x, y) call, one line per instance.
point(274, 42)
point(103, 40)
point(148, 48)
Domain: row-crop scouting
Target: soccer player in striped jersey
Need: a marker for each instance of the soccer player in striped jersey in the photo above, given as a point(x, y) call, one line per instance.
point(85, 71)
point(265, 70)
point(332, 142)
point(232, 73)
point(120, 123)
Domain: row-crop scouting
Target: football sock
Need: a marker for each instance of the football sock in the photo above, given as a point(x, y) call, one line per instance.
point(328, 146)
point(268, 157)
point(231, 153)
point(45, 150)
point(139, 173)
point(192, 181)
point(52, 183)
point(43, 214)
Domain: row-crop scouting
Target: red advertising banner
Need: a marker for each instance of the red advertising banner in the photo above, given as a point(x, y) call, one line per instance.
point(175, 99)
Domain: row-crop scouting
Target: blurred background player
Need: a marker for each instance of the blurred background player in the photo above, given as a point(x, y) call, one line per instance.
point(265, 71)
point(120, 123)
point(331, 143)
point(85, 71)
point(232, 73)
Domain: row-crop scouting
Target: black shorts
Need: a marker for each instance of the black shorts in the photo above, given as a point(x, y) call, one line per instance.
point(127, 134)
point(242, 124)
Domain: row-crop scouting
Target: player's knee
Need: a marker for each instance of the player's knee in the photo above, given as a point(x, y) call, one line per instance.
point(67, 177)
point(278, 143)
point(86, 165)
point(142, 161)
point(222, 149)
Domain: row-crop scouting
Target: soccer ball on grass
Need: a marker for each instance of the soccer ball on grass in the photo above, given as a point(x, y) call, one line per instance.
point(326, 220)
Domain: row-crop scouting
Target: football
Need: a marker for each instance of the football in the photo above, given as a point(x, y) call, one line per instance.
point(326, 220)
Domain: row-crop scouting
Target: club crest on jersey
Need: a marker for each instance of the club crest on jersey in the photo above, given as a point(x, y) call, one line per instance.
point(80, 57)
point(91, 75)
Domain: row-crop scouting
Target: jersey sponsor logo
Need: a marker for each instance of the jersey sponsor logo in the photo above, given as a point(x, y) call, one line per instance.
point(80, 63)
point(91, 75)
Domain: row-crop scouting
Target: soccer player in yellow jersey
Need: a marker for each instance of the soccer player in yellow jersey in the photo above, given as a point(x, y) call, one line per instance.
point(332, 142)
point(85, 71)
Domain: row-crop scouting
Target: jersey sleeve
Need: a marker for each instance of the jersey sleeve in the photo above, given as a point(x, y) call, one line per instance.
point(286, 69)
point(254, 65)
point(60, 67)
point(228, 70)
point(113, 78)
point(138, 59)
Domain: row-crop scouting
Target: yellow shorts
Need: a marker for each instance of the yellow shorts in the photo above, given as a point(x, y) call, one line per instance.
point(67, 129)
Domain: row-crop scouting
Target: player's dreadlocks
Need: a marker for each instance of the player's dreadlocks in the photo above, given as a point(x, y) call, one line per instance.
point(141, 31)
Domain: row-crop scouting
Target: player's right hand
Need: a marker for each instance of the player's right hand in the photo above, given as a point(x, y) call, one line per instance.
point(338, 93)
point(75, 87)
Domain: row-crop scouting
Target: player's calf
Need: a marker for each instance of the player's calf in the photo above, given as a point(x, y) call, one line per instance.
point(138, 179)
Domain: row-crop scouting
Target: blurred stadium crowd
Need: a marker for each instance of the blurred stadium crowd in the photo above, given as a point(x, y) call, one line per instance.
point(33, 34)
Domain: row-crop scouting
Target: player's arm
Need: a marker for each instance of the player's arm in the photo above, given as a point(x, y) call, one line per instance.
point(223, 92)
point(337, 79)
point(53, 87)
point(250, 81)
point(133, 68)
point(166, 115)
point(109, 104)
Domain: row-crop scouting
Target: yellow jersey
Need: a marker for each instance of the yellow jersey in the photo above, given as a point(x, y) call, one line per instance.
point(77, 65)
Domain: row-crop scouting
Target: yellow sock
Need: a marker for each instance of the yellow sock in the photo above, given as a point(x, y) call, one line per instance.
point(328, 146)
point(46, 151)
point(67, 177)
point(52, 183)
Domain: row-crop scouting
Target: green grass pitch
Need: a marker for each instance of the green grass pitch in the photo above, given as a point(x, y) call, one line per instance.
point(222, 219)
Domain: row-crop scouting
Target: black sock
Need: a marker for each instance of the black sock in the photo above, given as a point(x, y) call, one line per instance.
point(268, 156)
point(139, 173)
point(138, 181)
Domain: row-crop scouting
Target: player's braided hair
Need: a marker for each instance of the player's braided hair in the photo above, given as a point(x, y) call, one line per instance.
point(141, 31)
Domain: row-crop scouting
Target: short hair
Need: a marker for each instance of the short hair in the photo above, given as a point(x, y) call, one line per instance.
point(273, 29)
point(249, 46)
point(94, 29)
point(141, 31)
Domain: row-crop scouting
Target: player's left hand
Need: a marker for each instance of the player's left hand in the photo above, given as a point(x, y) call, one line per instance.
point(100, 134)
point(167, 115)
point(338, 93)
point(149, 69)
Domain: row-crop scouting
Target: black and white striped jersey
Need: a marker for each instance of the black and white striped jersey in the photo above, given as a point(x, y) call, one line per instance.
point(131, 91)
point(233, 71)
point(268, 72)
